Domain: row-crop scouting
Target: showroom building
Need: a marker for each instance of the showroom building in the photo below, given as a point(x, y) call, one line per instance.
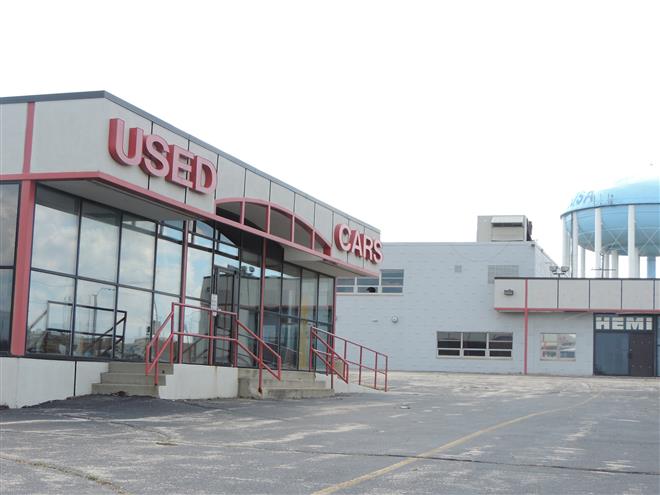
point(110, 215)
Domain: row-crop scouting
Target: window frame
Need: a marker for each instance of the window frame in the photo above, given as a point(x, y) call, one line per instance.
point(382, 287)
point(461, 348)
point(558, 349)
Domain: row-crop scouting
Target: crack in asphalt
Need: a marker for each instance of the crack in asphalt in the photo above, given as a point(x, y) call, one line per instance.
point(445, 458)
point(69, 472)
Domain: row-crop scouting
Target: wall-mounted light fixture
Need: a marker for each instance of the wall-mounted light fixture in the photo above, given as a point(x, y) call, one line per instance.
point(508, 292)
point(394, 319)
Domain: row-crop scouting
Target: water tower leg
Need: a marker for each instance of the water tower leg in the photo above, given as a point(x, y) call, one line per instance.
point(598, 243)
point(615, 264)
point(566, 242)
point(633, 256)
point(574, 245)
point(583, 262)
point(650, 267)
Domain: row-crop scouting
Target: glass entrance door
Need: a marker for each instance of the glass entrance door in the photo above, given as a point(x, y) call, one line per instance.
point(225, 286)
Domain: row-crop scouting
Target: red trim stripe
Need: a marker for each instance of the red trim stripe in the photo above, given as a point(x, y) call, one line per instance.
point(29, 133)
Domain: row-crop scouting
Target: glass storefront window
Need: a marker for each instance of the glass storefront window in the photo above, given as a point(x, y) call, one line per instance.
point(308, 295)
point(138, 248)
point(288, 342)
point(50, 314)
point(291, 290)
point(94, 320)
point(129, 273)
point(303, 235)
point(99, 242)
point(55, 231)
point(8, 220)
point(6, 280)
point(196, 321)
point(280, 224)
point(250, 284)
point(249, 318)
point(198, 274)
point(133, 324)
point(326, 298)
point(161, 310)
point(255, 216)
point(273, 285)
point(168, 266)
point(8, 217)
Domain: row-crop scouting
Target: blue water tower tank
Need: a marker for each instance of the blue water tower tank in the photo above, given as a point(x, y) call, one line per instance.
point(612, 211)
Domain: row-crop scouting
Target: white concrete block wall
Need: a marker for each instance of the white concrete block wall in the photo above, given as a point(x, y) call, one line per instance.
point(437, 298)
point(26, 382)
point(191, 381)
point(88, 373)
point(581, 324)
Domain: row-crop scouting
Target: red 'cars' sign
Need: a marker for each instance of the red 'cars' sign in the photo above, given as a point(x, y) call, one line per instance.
point(350, 240)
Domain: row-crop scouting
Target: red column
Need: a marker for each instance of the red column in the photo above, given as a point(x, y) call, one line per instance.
point(526, 317)
point(23, 244)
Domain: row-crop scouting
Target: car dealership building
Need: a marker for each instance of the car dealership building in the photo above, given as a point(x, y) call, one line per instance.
point(110, 215)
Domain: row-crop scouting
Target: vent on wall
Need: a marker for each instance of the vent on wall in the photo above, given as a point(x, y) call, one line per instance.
point(501, 271)
point(458, 268)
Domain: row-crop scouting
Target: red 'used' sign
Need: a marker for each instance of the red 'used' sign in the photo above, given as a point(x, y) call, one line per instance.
point(159, 159)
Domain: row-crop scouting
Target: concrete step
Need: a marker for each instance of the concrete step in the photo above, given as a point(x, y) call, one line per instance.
point(128, 389)
point(126, 367)
point(296, 393)
point(272, 383)
point(132, 378)
point(286, 375)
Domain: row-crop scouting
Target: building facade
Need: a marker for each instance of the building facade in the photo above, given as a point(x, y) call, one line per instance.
point(490, 307)
point(109, 215)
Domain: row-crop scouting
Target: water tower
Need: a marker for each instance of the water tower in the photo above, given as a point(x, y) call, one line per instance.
point(623, 220)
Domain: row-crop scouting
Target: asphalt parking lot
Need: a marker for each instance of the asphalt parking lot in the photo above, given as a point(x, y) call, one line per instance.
point(432, 433)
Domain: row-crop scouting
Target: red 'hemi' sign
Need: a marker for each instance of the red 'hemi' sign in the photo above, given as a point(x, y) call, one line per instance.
point(159, 159)
point(347, 239)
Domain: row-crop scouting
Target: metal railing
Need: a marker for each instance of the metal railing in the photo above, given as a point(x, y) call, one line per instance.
point(153, 358)
point(339, 363)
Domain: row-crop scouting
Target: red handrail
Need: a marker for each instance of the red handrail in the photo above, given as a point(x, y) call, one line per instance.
point(236, 327)
point(330, 351)
point(334, 357)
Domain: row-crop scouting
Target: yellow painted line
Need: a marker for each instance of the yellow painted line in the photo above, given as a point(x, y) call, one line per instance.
point(380, 472)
